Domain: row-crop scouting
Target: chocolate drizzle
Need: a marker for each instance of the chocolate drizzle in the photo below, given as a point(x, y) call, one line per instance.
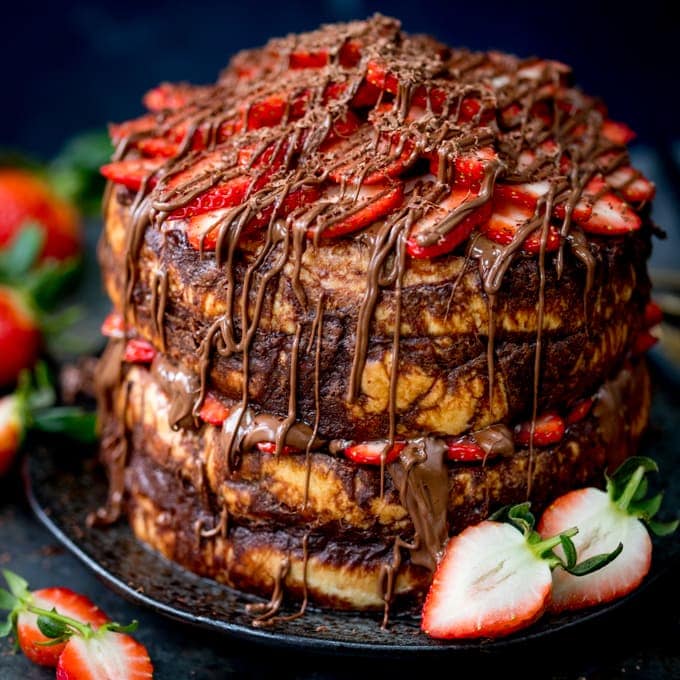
point(421, 477)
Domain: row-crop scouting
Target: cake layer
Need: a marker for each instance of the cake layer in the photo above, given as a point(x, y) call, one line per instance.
point(254, 518)
point(443, 368)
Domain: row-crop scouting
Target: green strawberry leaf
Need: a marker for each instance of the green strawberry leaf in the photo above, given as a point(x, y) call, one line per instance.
point(6, 626)
point(662, 528)
point(18, 586)
point(594, 563)
point(118, 628)
point(22, 253)
point(47, 284)
point(52, 628)
point(617, 483)
point(7, 600)
point(68, 420)
point(569, 550)
point(646, 509)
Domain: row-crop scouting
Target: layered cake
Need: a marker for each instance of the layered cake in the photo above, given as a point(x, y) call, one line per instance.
point(367, 289)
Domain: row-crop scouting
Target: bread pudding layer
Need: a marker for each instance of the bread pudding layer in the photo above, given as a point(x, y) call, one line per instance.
point(243, 526)
point(443, 367)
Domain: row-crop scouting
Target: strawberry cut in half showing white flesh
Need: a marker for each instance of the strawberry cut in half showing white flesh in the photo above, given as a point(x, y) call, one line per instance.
point(495, 577)
point(605, 519)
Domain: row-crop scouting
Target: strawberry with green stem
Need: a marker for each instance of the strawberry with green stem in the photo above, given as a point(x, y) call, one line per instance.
point(71, 633)
point(621, 514)
point(31, 406)
point(495, 577)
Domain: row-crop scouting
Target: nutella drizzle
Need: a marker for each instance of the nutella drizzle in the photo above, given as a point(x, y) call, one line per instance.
point(292, 156)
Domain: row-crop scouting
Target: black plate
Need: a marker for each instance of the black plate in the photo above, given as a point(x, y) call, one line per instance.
point(63, 488)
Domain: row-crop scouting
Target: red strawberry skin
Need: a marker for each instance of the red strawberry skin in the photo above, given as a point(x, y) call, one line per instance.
point(111, 656)
point(20, 336)
point(371, 453)
point(213, 411)
point(548, 429)
point(487, 585)
point(26, 198)
point(67, 603)
point(601, 528)
point(11, 431)
point(138, 351)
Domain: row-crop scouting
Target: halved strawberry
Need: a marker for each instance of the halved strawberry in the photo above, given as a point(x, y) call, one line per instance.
point(132, 172)
point(20, 335)
point(104, 656)
point(548, 429)
point(138, 351)
point(495, 578)
point(372, 203)
point(464, 450)
point(12, 430)
point(611, 215)
point(273, 109)
point(213, 410)
point(373, 453)
point(617, 133)
point(508, 218)
point(270, 448)
point(67, 603)
point(579, 410)
point(605, 520)
point(114, 326)
point(456, 200)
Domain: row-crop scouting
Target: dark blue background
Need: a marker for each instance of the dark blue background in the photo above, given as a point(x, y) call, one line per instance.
point(74, 65)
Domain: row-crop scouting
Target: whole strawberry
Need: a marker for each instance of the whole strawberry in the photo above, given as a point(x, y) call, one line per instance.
point(621, 514)
point(20, 335)
point(24, 198)
point(11, 431)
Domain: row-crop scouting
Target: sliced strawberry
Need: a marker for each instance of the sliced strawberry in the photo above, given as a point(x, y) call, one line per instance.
point(132, 172)
point(158, 146)
point(490, 583)
point(548, 429)
point(227, 194)
point(631, 184)
point(213, 410)
point(507, 219)
point(643, 342)
point(579, 410)
point(142, 125)
point(611, 215)
point(348, 56)
point(67, 603)
point(114, 326)
point(270, 448)
point(464, 450)
point(203, 231)
point(350, 216)
point(366, 95)
point(167, 96)
point(275, 108)
point(373, 453)
point(617, 133)
point(653, 314)
point(434, 99)
point(469, 168)
point(138, 351)
point(103, 657)
point(387, 160)
point(607, 520)
point(435, 215)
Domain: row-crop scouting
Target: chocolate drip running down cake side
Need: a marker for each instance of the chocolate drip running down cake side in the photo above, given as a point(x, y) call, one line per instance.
point(366, 290)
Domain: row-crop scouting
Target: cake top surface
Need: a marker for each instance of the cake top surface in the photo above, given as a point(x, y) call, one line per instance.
point(334, 131)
